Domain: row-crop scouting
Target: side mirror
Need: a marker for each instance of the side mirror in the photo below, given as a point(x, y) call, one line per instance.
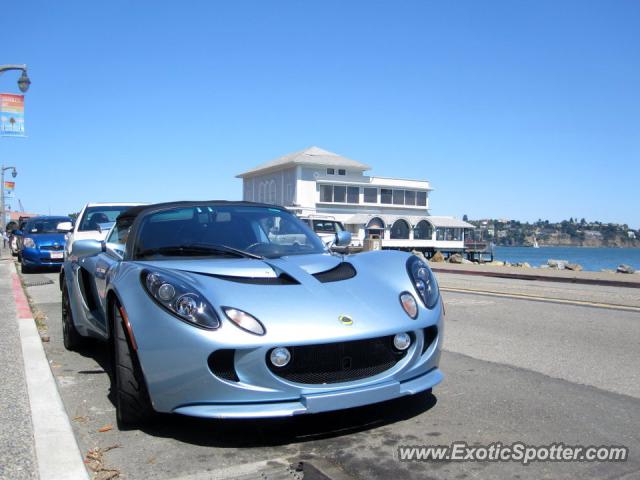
point(343, 239)
point(65, 227)
point(17, 232)
point(87, 248)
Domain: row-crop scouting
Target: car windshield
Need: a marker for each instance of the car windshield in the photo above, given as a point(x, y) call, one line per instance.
point(44, 225)
point(100, 217)
point(231, 231)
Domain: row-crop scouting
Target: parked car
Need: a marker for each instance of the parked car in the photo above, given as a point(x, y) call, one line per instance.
point(212, 311)
point(95, 220)
point(41, 242)
point(326, 228)
point(15, 235)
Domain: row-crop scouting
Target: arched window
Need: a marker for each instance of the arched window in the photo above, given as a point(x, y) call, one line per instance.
point(376, 223)
point(423, 231)
point(400, 230)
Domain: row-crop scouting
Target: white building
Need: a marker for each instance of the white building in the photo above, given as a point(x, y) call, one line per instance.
point(321, 183)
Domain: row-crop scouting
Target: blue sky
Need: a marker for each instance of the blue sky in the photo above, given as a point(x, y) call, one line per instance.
point(520, 109)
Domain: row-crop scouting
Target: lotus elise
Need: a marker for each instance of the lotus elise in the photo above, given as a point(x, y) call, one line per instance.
point(238, 310)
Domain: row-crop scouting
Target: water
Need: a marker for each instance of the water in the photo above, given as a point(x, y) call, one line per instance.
point(593, 259)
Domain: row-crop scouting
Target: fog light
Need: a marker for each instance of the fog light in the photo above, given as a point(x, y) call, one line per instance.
point(280, 356)
point(402, 341)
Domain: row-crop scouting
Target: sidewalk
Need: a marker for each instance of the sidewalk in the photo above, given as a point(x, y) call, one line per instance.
point(36, 438)
point(17, 451)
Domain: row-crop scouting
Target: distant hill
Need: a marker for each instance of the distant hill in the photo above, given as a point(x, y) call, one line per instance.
point(566, 233)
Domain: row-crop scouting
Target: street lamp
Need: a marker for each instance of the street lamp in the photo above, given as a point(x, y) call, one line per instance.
point(14, 174)
point(23, 84)
point(23, 81)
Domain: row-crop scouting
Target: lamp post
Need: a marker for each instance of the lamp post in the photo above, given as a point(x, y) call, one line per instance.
point(23, 84)
point(23, 81)
point(14, 174)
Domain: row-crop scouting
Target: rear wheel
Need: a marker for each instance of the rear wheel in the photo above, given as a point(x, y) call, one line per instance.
point(70, 337)
point(133, 406)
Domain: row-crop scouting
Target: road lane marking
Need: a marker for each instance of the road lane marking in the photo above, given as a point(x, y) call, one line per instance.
point(539, 298)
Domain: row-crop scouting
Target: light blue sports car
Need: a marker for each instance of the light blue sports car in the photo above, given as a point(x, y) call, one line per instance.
point(238, 310)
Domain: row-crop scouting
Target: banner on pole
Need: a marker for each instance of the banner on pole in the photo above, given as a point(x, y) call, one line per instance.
point(9, 185)
point(11, 115)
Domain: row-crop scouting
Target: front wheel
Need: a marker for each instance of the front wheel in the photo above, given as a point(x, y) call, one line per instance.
point(133, 406)
point(70, 337)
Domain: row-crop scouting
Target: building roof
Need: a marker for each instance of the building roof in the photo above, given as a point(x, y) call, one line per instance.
point(446, 222)
point(311, 156)
point(450, 222)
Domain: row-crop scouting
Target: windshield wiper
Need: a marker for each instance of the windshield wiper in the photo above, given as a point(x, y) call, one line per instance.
point(198, 249)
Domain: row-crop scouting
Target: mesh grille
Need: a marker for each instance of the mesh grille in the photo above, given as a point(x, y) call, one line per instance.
point(339, 362)
point(343, 271)
point(52, 247)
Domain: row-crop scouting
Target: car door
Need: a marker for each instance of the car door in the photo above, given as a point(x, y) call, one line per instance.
point(95, 274)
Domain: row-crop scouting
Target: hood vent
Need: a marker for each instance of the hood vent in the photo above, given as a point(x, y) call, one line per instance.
point(343, 271)
point(282, 279)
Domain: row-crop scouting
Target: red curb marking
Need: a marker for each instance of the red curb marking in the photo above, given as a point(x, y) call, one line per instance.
point(23, 311)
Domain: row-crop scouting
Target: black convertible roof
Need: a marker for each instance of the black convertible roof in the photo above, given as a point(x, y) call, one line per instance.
point(131, 213)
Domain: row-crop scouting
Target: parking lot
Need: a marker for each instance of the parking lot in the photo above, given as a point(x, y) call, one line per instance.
point(516, 370)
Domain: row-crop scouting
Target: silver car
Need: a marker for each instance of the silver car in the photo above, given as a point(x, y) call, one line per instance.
point(237, 310)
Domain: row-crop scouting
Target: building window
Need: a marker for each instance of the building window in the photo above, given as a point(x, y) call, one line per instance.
point(421, 199)
point(370, 195)
point(423, 231)
point(326, 193)
point(289, 198)
point(398, 197)
point(353, 195)
point(339, 194)
point(440, 234)
point(331, 171)
point(385, 195)
point(400, 230)
point(409, 197)
point(342, 172)
point(272, 192)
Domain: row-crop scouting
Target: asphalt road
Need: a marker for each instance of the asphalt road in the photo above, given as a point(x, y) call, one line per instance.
point(516, 370)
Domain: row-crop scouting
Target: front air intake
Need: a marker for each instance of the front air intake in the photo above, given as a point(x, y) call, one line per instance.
point(222, 365)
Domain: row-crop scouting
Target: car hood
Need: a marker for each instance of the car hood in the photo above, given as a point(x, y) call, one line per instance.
point(309, 302)
point(48, 238)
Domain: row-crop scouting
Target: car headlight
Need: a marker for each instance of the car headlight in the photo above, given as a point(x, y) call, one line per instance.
point(424, 281)
point(29, 243)
point(180, 299)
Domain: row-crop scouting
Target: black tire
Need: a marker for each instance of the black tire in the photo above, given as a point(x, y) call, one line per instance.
point(133, 406)
point(25, 269)
point(70, 337)
point(19, 257)
point(13, 254)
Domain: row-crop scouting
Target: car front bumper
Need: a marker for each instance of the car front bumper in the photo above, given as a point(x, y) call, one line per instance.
point(174, 357)
point(33, 257)
point(319, 402)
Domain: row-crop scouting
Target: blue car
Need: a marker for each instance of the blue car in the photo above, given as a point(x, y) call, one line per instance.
point(41, 242)
point(238, 310)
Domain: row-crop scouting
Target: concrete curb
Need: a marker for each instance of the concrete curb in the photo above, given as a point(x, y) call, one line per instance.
point(542, 278)
point(57, 451)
